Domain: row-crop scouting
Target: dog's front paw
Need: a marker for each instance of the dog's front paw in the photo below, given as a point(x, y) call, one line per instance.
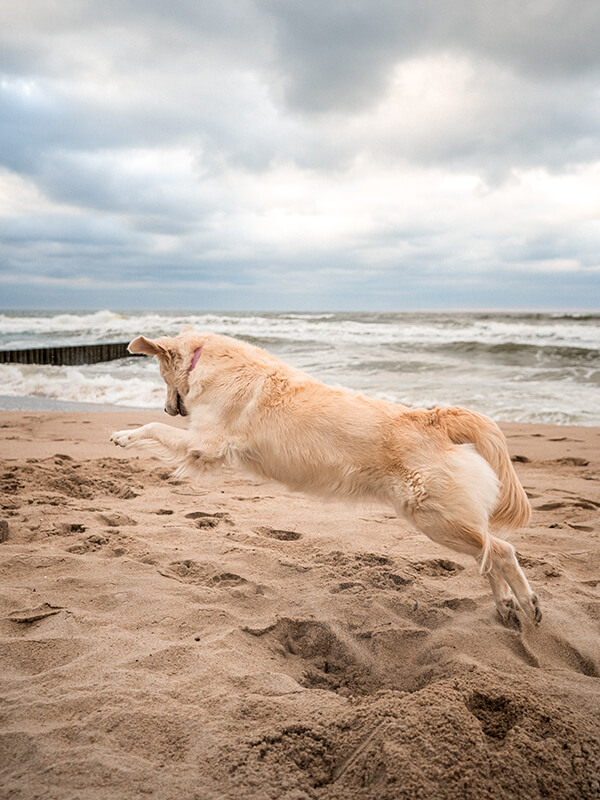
point(122, 438)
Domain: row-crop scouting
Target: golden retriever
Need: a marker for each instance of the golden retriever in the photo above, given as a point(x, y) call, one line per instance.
point(447, 470)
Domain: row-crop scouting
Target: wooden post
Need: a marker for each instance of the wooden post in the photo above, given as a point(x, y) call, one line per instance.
point(73, 355)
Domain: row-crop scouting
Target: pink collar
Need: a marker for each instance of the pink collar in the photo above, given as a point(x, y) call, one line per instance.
point(195, 357)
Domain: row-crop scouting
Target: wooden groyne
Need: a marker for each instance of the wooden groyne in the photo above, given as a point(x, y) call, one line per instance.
point(70, 356)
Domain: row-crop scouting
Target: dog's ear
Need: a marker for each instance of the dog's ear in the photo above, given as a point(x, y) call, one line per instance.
point(187, 329)
point(147, 346)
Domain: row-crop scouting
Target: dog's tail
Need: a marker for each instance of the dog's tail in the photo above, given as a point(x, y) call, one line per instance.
point(462, 426)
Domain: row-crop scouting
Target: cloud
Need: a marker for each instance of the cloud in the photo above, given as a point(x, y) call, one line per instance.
point(251, 84)
point(356, 151)
point(340, 55)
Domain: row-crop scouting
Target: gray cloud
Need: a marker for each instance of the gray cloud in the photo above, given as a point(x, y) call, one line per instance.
point(223, 142)
point(246, 83)
point(339, 55)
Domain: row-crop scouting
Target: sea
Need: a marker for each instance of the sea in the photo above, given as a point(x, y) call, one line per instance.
point(521, 367)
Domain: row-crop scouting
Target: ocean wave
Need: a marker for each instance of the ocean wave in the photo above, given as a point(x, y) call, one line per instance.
point(67, 322)
point(82, 385)
point(520, 354)
point(527, 367)
point(334, 328)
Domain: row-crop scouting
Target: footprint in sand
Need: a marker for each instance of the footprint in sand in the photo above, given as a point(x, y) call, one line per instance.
point(116, 520)
point(66, 528)
point(579, 502)
point(208, 519)
point(91, 543)
point(583, 502)
point(363, 570)
point(322, 655)
point(372, 559)
point(34, 656)
point(189, 571)
point(497, 715)
point(551, 506)
point(386, 579)
point(326, 655)
point(549, 569)
point(282, 536)
point(459, 604)
point(30, 615)
point(437, 567)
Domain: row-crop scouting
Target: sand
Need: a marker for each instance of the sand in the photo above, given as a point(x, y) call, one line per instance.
point(225, 638)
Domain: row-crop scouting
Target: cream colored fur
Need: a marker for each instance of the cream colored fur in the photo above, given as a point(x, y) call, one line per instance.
point(447, 471)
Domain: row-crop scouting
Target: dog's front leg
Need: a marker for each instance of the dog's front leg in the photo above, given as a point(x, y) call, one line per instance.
point(173, 441)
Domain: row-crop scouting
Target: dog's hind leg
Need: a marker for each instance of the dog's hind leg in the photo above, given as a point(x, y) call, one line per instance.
point(506, 568)
point(504, 599)
point(501, 565)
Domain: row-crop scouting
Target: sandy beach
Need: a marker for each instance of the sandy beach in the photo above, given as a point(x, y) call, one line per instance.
point(225, 638)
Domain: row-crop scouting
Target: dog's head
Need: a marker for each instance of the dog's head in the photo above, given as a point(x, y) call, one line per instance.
point(177, 358)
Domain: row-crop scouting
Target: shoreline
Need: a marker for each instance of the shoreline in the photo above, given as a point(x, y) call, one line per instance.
point(227, 638)
point(49, 405)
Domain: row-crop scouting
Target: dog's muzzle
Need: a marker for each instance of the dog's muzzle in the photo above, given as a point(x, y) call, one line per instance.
point(180, 409)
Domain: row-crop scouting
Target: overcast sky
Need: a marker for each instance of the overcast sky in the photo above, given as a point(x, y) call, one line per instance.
point(300, 154)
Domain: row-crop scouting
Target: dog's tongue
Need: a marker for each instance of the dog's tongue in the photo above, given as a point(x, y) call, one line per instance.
point(195, 358)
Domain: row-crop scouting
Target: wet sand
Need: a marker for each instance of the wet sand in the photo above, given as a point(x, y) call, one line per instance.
point(225, 638)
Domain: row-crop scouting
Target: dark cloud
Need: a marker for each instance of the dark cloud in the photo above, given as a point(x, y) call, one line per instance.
point(339, 55)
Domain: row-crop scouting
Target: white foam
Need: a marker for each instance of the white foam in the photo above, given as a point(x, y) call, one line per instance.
point(82, 385)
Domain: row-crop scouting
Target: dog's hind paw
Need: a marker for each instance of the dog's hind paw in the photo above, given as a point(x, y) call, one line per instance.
point(507, 611)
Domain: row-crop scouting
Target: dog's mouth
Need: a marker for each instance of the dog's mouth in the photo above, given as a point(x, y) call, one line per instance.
point(181, 409)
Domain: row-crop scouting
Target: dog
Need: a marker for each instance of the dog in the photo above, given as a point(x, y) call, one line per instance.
point(447, 470)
